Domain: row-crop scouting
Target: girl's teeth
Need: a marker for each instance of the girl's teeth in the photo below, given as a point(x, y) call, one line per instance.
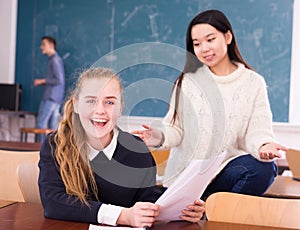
point(99, 120)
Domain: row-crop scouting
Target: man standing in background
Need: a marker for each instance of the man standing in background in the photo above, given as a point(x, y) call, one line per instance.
point(54, 86)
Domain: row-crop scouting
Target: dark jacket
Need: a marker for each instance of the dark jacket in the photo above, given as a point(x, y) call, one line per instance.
point(129, 177)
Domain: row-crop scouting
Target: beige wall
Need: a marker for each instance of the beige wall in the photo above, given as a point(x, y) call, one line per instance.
point(8, 28)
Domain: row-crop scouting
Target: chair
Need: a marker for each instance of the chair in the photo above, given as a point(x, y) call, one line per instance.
point(161, 158)
point(253, 210)
point(293, 159)
point(9, 161)
point(27, 176)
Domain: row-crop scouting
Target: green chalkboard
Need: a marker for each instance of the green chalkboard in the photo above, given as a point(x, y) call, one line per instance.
point(88, 30)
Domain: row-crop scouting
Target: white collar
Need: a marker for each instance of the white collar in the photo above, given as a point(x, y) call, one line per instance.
point(109, 150)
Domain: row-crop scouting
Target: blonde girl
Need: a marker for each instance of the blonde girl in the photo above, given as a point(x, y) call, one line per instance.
point(90, 170)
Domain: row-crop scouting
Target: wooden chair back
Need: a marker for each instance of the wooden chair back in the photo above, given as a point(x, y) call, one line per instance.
point(253, 210)
point(9, 161)
point(293, 159)
point(27, 176)
point(161, 158)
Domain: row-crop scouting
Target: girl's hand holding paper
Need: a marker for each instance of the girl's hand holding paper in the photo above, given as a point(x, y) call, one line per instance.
point(194, 212)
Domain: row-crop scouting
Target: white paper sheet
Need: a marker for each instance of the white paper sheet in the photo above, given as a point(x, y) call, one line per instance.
point(98, 227)
point(188, 187)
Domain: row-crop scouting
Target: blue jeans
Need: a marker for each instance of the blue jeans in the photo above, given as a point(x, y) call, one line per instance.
point(245, 175)
point(48, 115)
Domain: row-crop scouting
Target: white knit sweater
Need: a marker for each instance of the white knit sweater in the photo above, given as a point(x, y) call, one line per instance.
point(217, 113)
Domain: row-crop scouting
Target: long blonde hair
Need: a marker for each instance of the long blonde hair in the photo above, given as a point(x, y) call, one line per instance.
point(72, 151)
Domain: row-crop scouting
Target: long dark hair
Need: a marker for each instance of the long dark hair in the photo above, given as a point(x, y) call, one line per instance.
point(219, 21)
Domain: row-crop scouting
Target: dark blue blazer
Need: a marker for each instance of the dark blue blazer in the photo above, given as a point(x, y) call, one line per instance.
point(126, 179)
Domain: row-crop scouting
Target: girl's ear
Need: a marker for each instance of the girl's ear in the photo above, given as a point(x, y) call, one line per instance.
point(75, 104)
point(228, 37)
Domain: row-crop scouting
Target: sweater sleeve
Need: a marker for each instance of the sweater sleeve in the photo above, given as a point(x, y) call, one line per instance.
point(173, 131)
point(56, 202)
point(259, 129)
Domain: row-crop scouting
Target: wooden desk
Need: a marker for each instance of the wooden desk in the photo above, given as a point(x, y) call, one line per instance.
point(4, 203)
point(30, 216)
point(39, 134)
point(20, 146)
point(284, 187)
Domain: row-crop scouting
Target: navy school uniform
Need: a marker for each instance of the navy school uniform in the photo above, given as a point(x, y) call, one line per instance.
point(126, 179)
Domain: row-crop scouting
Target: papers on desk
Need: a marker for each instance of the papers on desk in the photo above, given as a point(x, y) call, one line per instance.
point(98, 227)
point(188, 187)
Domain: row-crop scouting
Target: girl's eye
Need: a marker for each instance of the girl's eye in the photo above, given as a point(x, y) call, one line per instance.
point(210, 39)
point(91, 101)
point(196, 44)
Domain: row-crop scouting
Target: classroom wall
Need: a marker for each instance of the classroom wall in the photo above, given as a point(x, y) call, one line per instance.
point(286, 133)
point(8, 28)
point(294, 113)
point(86, 32)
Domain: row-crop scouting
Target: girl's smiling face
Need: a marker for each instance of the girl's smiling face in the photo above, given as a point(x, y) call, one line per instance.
point(210, 45)
point(99, 105)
